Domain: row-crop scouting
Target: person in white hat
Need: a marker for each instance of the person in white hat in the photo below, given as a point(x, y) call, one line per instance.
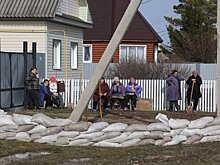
point(117, 93)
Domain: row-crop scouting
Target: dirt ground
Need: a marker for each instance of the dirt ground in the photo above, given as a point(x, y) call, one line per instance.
point(205, 153)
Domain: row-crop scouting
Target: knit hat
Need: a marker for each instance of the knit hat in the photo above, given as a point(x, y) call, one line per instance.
point(116, 79)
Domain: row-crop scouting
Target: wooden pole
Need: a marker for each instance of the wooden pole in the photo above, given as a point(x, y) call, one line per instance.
point(218, 58)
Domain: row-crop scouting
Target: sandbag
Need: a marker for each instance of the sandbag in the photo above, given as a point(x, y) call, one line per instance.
point(161, 142)
point(80, 126)
point(212, 133)
point(47, 139)
point(115, 127)
point(22, 136)
point(192, 139)
point(107, 144)
point(37, 129)
point(210, 138)
point(25, 128)
point(5, 135)
point(204, 131)
point(87, 144)
point(95, 127)
point(154, 135)
point(146, 142)
point(136, 127)
point(68, 134)
point(6, 120)
point(35, 136)
point(51, 131)
point(62, 141)
point(130, 143)
point(176, 140)
point(200, 123)
point(119, 139)
point(136, 135)
point(173, 133)
point(158, 127)
point(89, 135)
point(22, 119)
point(107, 135)
point(62, 122)
point(162, 118)
point(216, 121)
point(2, 112)
point(78, 142)
point(9, 128)
point(190, 132)
point(178, 123)
point(44, 120)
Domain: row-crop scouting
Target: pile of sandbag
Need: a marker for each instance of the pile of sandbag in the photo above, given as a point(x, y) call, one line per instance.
point(63, 132)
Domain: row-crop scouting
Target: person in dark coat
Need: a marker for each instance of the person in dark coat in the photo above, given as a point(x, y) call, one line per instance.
point(32, 88)
point(173, 90)
point(104, 93)
point(197, 80)
point(117, 93)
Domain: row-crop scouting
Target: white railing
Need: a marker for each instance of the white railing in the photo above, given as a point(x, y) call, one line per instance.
point(153, 89)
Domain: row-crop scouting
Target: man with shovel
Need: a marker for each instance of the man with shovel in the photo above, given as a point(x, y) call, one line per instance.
point(193, 91)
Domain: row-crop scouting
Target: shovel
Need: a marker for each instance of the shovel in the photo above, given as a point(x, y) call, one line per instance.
point(190, 106)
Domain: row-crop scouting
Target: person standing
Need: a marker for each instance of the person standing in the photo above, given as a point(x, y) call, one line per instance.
point(173, 90)
point(32, 87)
point(194, 82)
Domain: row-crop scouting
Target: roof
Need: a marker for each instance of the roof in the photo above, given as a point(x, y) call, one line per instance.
point(106, 15)
point(28, 8)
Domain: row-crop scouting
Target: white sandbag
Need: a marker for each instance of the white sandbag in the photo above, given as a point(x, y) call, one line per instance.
point(47, 139)
point(200, 123)
point(173, 133)
point(87, 144)
point(107, 144)
point(80, 126)
point(161, 142)
point(136, 127)
point(210, 138)
point(35, 136)
point(78, 142)
point(44, 120)
point(178, 123)
point(190, 132)
point(68, 134)
point(89, 135)
point(119, 139)
point(25, 128)
point(212, 133)
point(6, 120)
point(162, 118)
point(51, 131)
point(22, 119)
point(22, 136)
point(192, 139)
point(158, 127)
point(37, 129)
point(130, 143)
point(2, 112)
point(176, 140)
point(62, 141)
point(204, 131)
point(5, 135)
point(9, 128)
point(62, 122)
point(107, 135)
point(95, 127)
point(146, 142)
point(115, 127)
point(216, 121)
point(154, 135)
point(136, 135)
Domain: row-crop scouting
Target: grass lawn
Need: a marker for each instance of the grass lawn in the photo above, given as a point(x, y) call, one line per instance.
point(205, 153)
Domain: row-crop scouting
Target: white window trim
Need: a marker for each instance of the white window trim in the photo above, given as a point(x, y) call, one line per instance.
point(60, 59)
point(72, 58)
point(84, 52)
point(127, 45)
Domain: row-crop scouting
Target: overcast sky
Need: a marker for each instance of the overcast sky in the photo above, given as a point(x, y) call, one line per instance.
point(154, 11)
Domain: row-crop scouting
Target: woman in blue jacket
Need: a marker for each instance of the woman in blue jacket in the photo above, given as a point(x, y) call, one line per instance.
point(132, 93)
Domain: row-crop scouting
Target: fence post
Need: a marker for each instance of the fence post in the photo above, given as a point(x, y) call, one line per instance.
point(34, 52)
point(25, 51)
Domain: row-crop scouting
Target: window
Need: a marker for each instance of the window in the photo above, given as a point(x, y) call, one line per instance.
point(132, 52)
point(74, 55)
point(87, 53)
point(57, 54)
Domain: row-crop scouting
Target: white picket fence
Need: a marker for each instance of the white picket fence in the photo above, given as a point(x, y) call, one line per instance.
point(153, 89)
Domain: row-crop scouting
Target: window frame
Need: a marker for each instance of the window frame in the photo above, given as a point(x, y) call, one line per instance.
point(53, 44)
point(72, 58)
point(86, 45)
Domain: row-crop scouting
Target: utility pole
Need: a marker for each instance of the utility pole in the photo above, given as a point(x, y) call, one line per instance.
point(106, 59)
point(218, 58)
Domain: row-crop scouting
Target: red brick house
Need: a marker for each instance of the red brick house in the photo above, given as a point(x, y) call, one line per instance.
point(141, 40)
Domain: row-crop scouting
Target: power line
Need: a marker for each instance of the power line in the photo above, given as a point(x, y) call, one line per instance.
point(145, 2)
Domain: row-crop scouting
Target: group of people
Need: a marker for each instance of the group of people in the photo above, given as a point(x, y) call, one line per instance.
point(43, 95)
point(117, 93)
point(174, 92)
